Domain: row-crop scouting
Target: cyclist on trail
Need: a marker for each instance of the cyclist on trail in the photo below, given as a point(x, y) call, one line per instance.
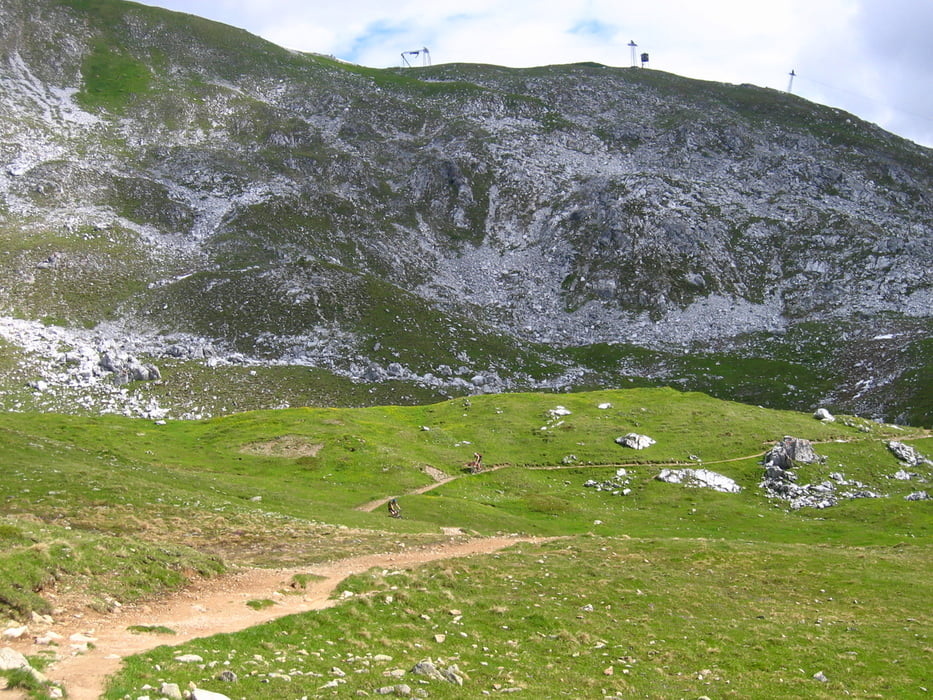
point(394, 510)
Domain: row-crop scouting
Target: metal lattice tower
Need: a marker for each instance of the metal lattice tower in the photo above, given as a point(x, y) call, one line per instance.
point(423, 52)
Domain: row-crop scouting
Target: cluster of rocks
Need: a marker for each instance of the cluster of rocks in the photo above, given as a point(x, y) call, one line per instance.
point(910, 458)
point(780, 479)
point(617, 485)
point(463, 379)
point(426, 669)
point(70, 370)
point(431, 671)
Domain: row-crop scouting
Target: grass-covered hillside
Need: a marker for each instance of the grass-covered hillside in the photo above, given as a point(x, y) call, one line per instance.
point(652, 589)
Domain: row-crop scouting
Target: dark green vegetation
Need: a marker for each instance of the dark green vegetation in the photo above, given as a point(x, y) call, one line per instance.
point(679, 591)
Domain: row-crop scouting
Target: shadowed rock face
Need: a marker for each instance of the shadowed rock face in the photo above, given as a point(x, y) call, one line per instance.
point(170, 175)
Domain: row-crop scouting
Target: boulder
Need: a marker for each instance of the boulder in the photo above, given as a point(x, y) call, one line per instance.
point(427, 668)
point(201, 694)
point(635, 441)
point(11, 659)
point(790, 451)
point(171, 691)
point(824, 415)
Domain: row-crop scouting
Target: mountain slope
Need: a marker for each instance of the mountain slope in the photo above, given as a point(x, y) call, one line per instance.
point(197, 191)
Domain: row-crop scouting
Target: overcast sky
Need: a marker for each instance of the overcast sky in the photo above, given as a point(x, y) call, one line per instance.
point(873, 58)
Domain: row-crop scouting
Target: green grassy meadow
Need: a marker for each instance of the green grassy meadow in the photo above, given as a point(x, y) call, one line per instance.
point(668, 591)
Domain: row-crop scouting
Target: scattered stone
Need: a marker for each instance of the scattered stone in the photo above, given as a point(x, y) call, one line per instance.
point(904, 475)
point(171, 691)
point(189, 659)
point(53, 261)
point(635, 441)
point(451, 674)
point(80, 638)
point(917, 496)
point(227, 676)
point(40, 619)
point(821, 677)
point(617, 486)
point(15, 632)
point(49, 637)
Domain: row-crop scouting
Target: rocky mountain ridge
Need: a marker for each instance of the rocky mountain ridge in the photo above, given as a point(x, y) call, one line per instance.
point(464, 228)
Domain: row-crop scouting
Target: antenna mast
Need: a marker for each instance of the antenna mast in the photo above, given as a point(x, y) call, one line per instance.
point(632, 45)
point(790, 83)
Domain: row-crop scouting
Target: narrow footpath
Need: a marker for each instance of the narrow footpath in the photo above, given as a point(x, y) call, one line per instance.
point(219, 605)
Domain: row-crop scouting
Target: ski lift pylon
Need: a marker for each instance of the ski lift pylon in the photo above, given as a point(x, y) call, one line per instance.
point(423, 52)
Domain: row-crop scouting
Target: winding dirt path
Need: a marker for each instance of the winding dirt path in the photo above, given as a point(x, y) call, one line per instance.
point(218, 605)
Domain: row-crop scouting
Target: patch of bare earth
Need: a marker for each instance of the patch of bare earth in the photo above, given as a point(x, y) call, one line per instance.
point(214, 606)
point(288, 446)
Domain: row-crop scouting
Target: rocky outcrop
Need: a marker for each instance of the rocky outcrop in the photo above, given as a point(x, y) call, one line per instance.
point(780, 478)
point(908, 454)
point(699, 478)
point(787, 453)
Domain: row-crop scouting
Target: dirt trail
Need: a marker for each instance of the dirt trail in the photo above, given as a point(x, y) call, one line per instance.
point(440, 478)
point(218, 605)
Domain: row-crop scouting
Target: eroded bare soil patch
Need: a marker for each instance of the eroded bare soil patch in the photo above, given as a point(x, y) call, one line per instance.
point(288, 446)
